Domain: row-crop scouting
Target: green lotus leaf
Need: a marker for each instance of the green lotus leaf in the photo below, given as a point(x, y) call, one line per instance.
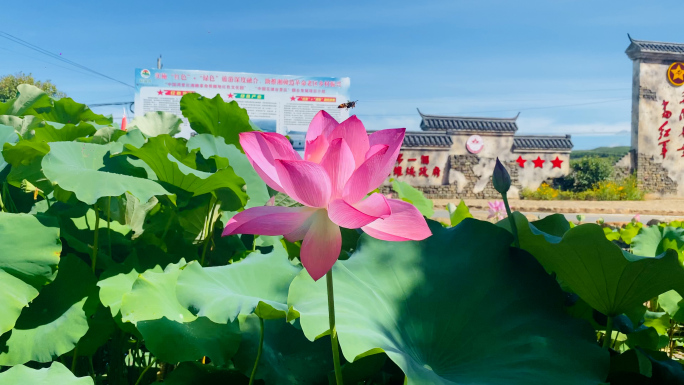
point(288, 357)
point(153, 296)
point(77, 167)
point(23, 126)
point(460, 213)
point(174, 342)
point(410, 194)
point(630, 231)
point(29, 255)
point(66, 110)
point(28, 98)
point(460, 307)
point(62, 132)
point(257, 284)
point(157, 123)
point(227, 155)
point(26, 158)
point(104, 135)
point(609, 279)
point(56, 319)
point(7, 135)
point(673, 304)
point(118, 280)
point(173, 164)
point(654, 240)
point(216, 117)
point(56, 374)
point(191, 373)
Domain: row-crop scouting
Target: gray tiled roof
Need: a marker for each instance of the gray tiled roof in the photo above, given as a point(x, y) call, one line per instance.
point(542, 142)
point(460, 123)
point(427, 140)
point(654, 49)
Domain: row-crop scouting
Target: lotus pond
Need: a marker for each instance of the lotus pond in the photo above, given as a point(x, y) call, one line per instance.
point(139, 257)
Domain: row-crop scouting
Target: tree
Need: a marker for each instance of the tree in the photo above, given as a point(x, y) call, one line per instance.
point(589, 171)
point(9, 83)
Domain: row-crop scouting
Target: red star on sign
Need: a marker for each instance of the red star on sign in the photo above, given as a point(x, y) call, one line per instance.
point(521, 162)
point(230, 96)
point(556, 163)
point(159, 92)
point(292, 98)
point(538, 163)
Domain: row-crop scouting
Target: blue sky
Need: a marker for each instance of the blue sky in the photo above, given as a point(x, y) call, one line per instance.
point(472, 58)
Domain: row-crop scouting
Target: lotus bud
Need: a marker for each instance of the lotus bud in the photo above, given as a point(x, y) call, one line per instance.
point(501, 179)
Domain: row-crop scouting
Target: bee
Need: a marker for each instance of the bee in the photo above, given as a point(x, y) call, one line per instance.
point(348, 104)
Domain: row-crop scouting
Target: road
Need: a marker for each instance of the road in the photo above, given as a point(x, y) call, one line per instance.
point(588, 217)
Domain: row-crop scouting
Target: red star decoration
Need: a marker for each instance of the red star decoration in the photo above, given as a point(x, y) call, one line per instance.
point(538, 163)
point(159, 92)
point(230, 96)
point(521, 162)
point(292, 98)
point(556, 163)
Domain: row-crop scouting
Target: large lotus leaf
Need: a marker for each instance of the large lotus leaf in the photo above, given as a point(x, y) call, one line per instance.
point(216, 117)
point(29, 255)
point(157, 123)
point(654, 240)
point(228, 155)
point(26, 157)
point(458, 213)
point(673, 304)
point(460, 307)
point(66, 110)
point(7, 135)
point(153, 296)
point(23, 126)
point(410, 194)
point(56, 374)
point(62, 133)
point(56, 319)
point(28, 98)
point(77, 167)
point(287, 358)
point(258, 283)
point(609, 279)
point(105, 135)
point(118, 280)
point(193, 373)
point(630, 231)
point(174, 342)
point(171, 162)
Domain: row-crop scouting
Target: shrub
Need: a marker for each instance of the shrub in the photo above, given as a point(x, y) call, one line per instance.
point(625, 189)
point(587, 172)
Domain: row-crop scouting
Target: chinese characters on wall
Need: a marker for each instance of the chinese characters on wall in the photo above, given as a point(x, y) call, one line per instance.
point(665, 127)
point(416, 167)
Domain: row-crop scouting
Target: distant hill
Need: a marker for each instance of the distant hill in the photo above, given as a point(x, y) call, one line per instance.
point(613, 153)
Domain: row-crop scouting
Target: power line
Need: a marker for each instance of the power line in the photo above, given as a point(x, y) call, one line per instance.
point(45, 61)
point(58, 57)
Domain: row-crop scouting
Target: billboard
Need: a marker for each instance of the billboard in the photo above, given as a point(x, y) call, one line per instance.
point(275, 103)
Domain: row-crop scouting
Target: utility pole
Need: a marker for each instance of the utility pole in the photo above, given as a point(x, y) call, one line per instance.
point(159, 62)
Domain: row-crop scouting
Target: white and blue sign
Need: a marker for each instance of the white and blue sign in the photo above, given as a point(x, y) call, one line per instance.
point(275, 103)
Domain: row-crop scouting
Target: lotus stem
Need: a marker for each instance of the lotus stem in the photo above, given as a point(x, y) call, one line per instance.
point(333, 331)
point(73, 360)
point(261, 346)
point(145, 370)
point(514, 228)
point(109, 220)
point(95, 238)
point(609, 333)
point(209, 231)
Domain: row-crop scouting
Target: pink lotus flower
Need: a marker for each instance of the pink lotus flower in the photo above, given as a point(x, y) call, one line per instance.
point(497, 210)
point(341, 165)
